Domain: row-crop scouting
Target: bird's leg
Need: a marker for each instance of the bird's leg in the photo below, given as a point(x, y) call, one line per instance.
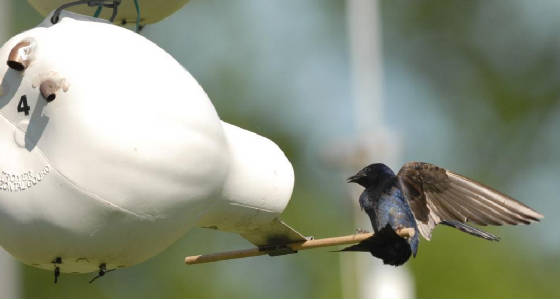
point(361, 231)
point(102, 271)
point(57, 261)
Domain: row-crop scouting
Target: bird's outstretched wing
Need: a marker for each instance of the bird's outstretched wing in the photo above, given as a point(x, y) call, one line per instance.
point(436, 194)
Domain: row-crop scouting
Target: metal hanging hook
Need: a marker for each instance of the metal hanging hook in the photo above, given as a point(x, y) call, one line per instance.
point(114, 4)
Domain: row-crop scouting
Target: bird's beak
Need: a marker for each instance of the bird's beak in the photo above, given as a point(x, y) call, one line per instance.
point(353, 178)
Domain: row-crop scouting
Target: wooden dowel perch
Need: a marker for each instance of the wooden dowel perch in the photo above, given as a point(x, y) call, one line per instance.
point(236, 254)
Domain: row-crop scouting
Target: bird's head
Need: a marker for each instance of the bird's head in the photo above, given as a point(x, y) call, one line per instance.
point(371, 175)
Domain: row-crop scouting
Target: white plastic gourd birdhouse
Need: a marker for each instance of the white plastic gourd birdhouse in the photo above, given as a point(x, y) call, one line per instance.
point(110, 151)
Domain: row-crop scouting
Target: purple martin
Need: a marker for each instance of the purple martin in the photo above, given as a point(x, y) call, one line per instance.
point(421, 196)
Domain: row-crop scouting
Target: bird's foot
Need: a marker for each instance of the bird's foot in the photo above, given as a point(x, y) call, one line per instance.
point(57, 261)
point(102, 271)
point(405, 232)
point(361, 231)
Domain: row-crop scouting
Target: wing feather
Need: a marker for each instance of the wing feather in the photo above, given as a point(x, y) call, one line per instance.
point(486, 215)
point(493, 208)
point(463, 211)
point(488, 194)
point(436, 194)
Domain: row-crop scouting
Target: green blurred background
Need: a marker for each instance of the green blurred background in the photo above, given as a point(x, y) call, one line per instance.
point(473, 86)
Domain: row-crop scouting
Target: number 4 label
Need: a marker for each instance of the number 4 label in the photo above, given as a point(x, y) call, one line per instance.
point(22, 106)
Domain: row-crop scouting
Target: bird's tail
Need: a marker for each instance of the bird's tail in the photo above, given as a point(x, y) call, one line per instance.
point(470, 230)
point(386, 245)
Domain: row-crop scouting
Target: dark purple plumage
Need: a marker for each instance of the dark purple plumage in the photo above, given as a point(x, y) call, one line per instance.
point(421, 196)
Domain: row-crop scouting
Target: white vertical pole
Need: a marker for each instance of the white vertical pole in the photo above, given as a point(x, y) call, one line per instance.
point(9, 277)
point(366, 63)
point(364, 276)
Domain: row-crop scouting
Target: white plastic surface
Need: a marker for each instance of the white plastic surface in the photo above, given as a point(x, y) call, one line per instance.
point(128, 157)
point(252, 196)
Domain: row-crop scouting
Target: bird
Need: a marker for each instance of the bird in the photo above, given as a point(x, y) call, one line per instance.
point(419, 197)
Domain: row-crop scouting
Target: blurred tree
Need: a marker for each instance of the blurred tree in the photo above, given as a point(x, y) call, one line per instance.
point(496, 81)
